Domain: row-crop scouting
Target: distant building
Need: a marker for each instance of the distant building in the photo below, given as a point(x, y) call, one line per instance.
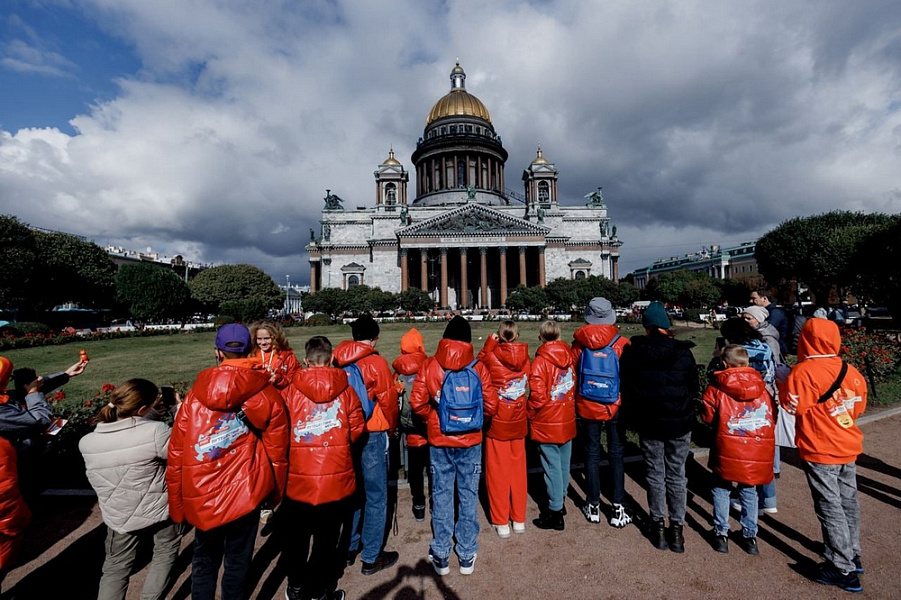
point(736, 262)
point(460, 233)
point(121, 256)
point(293, 304)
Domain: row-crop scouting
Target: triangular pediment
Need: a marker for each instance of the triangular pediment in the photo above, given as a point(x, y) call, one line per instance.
point(474, 219)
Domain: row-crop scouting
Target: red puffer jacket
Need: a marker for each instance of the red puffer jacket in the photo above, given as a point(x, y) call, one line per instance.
point(737, 404)
point(281, 363)
point(325, 417)
point(552, 406)
point(379, 382)
point(218, 469)
point(508, 364)
point(411, 364)
point(14, 514)
point(453, 355)
point(595, 337)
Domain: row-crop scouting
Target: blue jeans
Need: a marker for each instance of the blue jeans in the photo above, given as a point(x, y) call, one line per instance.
point(462, 466)
point(555, 462)
point(616, 436)
point(374, 470)
point(747, 495)
point(664, 461)
point(834, 491)
point(233, 542)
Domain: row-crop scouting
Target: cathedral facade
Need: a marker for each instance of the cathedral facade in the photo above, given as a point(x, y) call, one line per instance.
point(460, 233)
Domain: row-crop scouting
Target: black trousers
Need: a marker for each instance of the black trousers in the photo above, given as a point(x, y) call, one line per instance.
point(419, 465)
point(311, 534)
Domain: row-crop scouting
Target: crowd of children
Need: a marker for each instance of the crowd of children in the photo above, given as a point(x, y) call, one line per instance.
point(259, 431)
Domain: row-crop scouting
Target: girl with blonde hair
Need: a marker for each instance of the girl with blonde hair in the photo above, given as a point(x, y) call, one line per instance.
point(271, 348)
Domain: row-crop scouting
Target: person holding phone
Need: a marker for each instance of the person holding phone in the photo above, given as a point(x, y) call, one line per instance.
point(125, 457)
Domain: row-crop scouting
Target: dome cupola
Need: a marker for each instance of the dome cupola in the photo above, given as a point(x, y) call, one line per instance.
point(458, 102)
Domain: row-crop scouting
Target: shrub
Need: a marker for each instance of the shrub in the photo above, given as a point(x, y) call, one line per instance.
point(224, 320)
point(28, 327)
point(319, 320)
point(874, 354)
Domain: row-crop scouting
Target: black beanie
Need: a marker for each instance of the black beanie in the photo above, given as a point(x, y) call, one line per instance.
point(458, 329)
point(364, 328)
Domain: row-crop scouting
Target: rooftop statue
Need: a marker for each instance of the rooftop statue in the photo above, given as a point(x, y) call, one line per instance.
point(332, 201)
point(595, 199)
point(470, 192)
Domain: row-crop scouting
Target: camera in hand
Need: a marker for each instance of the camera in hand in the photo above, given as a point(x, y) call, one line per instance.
point(168, 394)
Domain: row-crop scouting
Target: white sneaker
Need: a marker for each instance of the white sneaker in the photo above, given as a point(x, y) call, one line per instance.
point(503, 531)
point(468, 566)
point(519, 527)
point(771, 511)
point(592, 512)
point(620, 518)
point(735, 505)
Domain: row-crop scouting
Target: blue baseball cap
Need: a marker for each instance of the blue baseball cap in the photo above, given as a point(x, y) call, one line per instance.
point(233, 337)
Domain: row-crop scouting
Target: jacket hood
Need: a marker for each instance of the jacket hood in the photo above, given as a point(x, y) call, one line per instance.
point(320, 384)
point(557, 352)
point(231, 384)
point(595, 336)
point(741, 383)
point(408, 364)
point(659, 349)
point(453, 354)
point(350, 351)
point(819, 337)
point(513, 355)
point(412, 342)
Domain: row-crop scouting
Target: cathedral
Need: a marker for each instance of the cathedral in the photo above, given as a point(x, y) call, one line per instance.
point(463, 236)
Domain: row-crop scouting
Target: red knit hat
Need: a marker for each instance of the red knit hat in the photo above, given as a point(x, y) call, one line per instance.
point(412, 342)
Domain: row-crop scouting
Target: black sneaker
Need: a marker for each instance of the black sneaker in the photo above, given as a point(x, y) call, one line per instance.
point(337, 595)
point(829, 575)
point(552, 519)
point(720, 543)
point(386, 559)
point(858, 566)
point(419, 513)
point(293, 593)
point(352, 557)
point(675, 538)
point(749, 545)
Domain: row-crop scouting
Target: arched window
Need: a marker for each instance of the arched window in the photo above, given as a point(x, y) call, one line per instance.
point(391, 194)
point(353, 281)
point(461, 173)
point(580, 274)
point(544, 194)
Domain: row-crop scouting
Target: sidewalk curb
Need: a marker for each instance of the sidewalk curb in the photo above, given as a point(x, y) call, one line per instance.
point(698, 453)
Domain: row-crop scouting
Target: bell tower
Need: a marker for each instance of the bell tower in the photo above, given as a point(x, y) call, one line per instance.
point(390, 184)
point(540, 182)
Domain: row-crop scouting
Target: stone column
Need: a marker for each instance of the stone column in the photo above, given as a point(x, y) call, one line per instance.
point(464, 288)
point(483, 254)
point(313, 278)
point(503, 251)
point(443, 288)
point(522, 266)
point(615, 260)
point(404, 275)
point(424, 269)
point(541, 280)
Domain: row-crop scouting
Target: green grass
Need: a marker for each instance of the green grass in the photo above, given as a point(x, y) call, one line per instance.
point(177, 359)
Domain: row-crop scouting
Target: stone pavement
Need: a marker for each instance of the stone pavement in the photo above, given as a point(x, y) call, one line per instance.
point(64, 550)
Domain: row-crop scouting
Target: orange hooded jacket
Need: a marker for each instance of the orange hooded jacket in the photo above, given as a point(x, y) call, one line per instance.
point(825, 432)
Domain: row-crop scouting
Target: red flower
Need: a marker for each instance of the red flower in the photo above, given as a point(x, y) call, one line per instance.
point(108, 387)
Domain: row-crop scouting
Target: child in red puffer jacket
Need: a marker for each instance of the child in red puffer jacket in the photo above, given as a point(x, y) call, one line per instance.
point(507, 360)
point(740, 409)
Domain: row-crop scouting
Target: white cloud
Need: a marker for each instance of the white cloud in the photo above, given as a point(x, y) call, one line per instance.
point(704, 122)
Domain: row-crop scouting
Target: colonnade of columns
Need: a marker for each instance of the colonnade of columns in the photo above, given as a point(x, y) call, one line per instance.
point(463, 279)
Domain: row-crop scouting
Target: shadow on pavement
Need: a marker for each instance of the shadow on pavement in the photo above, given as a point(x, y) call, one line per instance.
point(407, 584)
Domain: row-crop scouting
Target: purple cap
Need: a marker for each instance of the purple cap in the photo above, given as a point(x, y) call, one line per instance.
point(233, 337)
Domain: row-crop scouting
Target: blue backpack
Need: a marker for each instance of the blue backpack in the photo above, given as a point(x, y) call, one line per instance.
point(760, 356)
point(355, 380)
point(599, 374)
point(460, 402)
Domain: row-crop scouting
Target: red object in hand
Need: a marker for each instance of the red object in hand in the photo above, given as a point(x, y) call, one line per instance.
point(83, 356)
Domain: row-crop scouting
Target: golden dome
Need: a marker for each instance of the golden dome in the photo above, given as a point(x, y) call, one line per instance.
point(540, 159)
point(458, 102)
point(391, 160)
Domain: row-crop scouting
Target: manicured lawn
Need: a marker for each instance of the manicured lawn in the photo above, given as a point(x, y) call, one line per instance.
point(177, 359)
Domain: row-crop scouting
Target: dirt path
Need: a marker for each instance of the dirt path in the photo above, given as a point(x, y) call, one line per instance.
point(585, 561)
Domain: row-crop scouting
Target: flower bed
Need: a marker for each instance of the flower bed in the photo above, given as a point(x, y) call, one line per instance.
point(876, 355)
point(9, 341)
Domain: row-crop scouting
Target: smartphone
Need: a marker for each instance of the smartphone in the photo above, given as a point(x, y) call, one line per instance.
point(720, 342)
point(168, 394)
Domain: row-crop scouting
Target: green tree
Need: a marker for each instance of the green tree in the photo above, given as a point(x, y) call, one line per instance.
point(236, 283)
point(691, 289)
point(17, 255)
point(71, 269)
point(533, 299)
point(734, 292)
point(152, 292)
point(818, 250)
point(329, 301)
point(562, 294)
point(878, 269)
point(414, 300)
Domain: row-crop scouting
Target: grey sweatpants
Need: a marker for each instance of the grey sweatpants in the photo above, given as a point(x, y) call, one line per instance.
point(121, 550)
point(834, 491)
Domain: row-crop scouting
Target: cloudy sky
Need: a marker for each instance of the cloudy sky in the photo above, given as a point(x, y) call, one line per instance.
point(212, 128)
